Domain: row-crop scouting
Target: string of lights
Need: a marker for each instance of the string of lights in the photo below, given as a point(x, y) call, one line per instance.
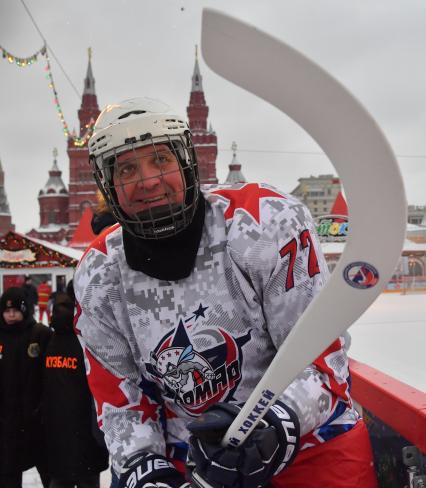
point(22, 62)
point(45, 257)
point(77, 141)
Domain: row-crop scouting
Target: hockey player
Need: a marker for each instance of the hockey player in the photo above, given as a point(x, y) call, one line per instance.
point(183, 305)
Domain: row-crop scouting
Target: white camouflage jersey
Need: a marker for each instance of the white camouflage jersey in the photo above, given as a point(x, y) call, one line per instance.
point(159, 352)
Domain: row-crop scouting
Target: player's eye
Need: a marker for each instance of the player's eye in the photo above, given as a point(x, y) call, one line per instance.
point(164, 158)
point(127, 170)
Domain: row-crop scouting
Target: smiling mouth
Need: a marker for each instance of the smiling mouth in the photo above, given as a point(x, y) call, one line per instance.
point(148, 201)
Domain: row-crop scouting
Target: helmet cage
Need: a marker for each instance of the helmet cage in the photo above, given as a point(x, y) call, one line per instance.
point(154, 222)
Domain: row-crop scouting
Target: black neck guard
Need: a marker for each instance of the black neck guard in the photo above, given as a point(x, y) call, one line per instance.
point(167, 259)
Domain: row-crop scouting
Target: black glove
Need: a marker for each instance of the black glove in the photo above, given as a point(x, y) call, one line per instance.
point(271, 447)
point(147, 470)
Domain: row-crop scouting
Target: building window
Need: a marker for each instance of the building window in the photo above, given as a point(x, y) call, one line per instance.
point(51, 217)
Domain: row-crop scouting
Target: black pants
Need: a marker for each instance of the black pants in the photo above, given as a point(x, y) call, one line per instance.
point(14, 480)
point(91, 481)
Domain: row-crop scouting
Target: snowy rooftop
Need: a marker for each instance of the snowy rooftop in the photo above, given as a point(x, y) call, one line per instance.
point(67, 251)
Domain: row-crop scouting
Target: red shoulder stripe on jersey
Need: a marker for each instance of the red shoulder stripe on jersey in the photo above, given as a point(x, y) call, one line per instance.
point(246, 198)
point(100, 242)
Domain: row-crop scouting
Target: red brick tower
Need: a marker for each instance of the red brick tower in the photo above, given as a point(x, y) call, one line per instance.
point(53, 203)
point(5, 217)
point(82, 186)
point(205, 140)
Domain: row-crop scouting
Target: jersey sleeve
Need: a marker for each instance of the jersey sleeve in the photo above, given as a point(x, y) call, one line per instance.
point(128, 406)
point(285, 266)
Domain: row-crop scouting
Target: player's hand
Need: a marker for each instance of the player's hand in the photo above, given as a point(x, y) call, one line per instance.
point(268, 449)
point(147, 470)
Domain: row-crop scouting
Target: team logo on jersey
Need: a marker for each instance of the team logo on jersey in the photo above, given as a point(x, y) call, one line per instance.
point(361, 275)
point(197, 368)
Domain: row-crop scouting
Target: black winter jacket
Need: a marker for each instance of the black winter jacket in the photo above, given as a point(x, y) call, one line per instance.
point(75, 445)
point(22, 353)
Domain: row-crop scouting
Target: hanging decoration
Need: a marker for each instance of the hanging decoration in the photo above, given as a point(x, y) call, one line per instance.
point(19, 251)
point(78, 141)
point(23, 62)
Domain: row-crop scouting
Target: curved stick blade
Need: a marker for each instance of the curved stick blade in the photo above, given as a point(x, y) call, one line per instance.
point(366, 165)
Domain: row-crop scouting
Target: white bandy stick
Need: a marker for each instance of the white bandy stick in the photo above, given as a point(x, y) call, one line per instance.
point(369, 172)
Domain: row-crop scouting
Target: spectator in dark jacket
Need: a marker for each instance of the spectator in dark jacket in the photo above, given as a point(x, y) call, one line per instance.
point(76, 450)
point(30, 294)
point(23, 344)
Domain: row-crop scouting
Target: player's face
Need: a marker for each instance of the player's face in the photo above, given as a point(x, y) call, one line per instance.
point(12, 316)
point(146, 177)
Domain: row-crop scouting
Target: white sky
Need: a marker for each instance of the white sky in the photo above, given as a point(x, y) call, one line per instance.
point(146, 48)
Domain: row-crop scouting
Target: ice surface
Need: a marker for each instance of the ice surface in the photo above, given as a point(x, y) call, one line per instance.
point(391, 337)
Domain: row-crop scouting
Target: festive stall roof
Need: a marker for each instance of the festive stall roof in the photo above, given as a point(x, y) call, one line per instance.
point(20, 251)
point(83, 235)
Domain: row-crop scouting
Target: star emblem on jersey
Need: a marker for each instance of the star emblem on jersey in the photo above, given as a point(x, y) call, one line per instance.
point(246, 198)
point(112, 391)
point(198, 313)
point(197, 367)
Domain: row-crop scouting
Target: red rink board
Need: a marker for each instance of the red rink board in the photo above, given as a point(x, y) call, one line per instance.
point(400, 406)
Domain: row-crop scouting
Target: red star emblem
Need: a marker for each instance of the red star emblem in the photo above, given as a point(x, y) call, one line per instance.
point(106, 390)
point(246, 198)
point(100, 242)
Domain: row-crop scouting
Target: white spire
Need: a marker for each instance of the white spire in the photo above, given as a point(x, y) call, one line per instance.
point(234, 148)
point(235, 175)
point(55, 162)
point(197, 79)
point(89, 81)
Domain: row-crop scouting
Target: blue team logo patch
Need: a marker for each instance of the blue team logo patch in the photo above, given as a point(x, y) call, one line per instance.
point(197, 367)
point(361, 275)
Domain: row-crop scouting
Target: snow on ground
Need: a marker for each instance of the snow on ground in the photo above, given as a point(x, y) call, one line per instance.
point(391, 337)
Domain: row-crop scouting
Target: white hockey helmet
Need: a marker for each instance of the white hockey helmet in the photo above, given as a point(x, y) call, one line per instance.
point(126, 126)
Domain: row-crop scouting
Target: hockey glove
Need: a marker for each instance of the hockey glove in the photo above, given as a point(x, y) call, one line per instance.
point(147, 470)
point(271, 447)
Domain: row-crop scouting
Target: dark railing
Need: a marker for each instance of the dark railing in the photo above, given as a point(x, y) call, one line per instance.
point(395, 414)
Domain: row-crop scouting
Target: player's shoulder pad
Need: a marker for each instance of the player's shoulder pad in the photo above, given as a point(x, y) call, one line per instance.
point(243, 198)
point(99, 244)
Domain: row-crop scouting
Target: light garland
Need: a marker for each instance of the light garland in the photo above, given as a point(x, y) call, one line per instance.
point(46, 258)
point(24, 62)
point(78, 141)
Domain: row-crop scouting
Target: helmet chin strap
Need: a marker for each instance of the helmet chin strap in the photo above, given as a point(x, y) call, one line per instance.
point(161, 221)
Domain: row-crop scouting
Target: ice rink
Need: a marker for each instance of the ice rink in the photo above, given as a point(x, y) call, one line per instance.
point(391, 337)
